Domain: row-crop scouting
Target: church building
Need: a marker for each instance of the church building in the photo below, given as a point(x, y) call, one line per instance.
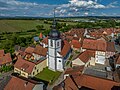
point(58, 50)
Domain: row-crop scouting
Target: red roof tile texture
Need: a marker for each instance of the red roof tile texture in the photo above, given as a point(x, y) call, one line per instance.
point(24, 65)
point(86, 55)
point(69, 84)
point(40, 50)
point(29, 50)
point(41, 35)
point(75, 70)
point(75, 44)
point(118, 60)
point(65, 49)
point(95, 83)
point(45, 41)
point(98, 45)
point(19, 84)
point(6, 58)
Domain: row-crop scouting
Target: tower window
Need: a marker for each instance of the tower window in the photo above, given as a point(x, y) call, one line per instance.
point(57, 43)
point(51, 43)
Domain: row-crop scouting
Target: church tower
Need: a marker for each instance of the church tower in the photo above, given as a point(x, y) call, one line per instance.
point(54, 46)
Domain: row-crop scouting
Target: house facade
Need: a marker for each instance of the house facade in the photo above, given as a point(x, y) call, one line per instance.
point(102, 49)
point(86, 58)
point(29, 69)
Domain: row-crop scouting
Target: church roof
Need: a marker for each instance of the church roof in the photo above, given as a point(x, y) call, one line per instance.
point(54, 34)
point(65, 48)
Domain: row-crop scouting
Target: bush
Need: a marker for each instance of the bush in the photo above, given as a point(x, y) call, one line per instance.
point(6, 68)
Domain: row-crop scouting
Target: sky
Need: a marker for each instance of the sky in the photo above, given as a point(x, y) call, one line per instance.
point(63, 8)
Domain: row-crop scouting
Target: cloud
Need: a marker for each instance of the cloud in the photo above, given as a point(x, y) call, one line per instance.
point(72, 8)
point(86, 4)
point(114, 4)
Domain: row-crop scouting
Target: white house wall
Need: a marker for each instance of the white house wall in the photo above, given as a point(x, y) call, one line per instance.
point(100, 57)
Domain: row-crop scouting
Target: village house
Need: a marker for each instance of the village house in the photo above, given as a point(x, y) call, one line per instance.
point(5, 59)
point(39, 52)
point(19, 51)
point(27, 68)
point(75, 44)
point(36, 40)
point(110, 32)
point(27, 54)
point(76, 70)
point(44, 42)
point(86, 58)
point(87, 82)
point(31, 62)
point(17, 83)
point(102, 49)
point(78, 33)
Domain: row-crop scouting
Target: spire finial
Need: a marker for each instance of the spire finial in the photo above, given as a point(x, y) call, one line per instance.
point(54, 21)
point(54, 13)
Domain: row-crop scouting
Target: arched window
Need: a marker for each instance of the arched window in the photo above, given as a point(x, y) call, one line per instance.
point(57, 43)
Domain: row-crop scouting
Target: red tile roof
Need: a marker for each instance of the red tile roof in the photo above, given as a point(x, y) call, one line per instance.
point(5, 59)
point(86, 56)
point(95, 83)
point(29, 50)
point(24, 64)
point(65, 48)
point(110, 46)
point(75, 70)
point(19, 84)
point(108, 31)
point(99, 45)
point(75, 44)
point(1, 53)
point(45, 41)
point(40, 50)
point(41, 35)
point(69, 84)
point(118, 60)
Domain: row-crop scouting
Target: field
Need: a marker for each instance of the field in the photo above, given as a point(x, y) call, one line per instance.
point(23, 25)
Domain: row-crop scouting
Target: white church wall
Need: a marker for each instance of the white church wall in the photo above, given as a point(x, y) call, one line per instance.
point(60, 64)
point(51, 63)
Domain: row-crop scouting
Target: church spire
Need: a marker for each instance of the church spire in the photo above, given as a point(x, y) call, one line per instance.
point(54, 21)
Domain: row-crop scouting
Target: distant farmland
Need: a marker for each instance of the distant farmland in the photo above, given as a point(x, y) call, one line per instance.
point(22, 25)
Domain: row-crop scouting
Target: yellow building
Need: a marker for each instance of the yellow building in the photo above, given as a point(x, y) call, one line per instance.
point(29, 69)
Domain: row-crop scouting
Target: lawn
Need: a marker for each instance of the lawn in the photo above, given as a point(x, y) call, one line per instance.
point(48, 75)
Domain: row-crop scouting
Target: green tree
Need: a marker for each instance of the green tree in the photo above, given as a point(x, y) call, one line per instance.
point(39, 27)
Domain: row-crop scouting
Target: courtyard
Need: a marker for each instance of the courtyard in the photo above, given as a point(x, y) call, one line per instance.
point(48, 75)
